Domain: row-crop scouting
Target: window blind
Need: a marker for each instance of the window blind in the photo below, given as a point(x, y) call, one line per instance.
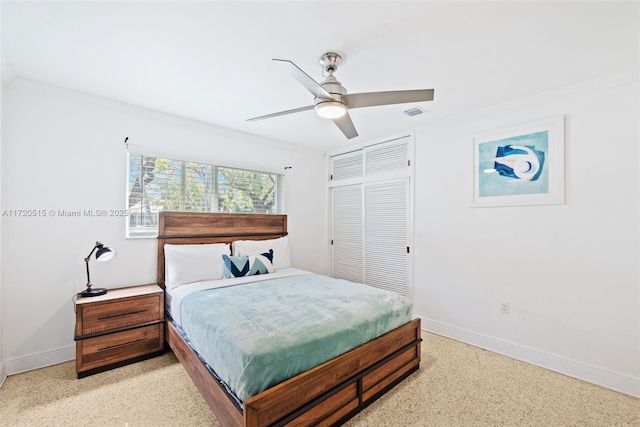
point(160, 184)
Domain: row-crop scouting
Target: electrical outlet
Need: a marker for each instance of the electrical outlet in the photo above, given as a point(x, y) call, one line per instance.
point(504, 307)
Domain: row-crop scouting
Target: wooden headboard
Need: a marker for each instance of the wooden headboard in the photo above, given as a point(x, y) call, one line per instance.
point(188, 228)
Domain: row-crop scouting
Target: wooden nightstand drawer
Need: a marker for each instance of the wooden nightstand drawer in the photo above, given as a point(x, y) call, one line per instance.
point(119, 314)
point(112, 348)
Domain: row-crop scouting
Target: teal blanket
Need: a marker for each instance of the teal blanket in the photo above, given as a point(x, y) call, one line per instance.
point(259, 334)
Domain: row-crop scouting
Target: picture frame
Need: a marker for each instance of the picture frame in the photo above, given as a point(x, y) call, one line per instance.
point(520, 165)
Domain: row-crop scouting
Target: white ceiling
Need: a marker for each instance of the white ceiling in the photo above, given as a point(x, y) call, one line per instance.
point(211, 61)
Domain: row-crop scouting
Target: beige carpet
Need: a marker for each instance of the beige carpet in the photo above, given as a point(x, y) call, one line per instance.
point(457, 385)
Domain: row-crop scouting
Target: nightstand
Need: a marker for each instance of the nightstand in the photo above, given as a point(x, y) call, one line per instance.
point(123, 326)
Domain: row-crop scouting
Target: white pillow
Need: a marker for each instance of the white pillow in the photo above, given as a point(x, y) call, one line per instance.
point(280, 246)
point(192, 263)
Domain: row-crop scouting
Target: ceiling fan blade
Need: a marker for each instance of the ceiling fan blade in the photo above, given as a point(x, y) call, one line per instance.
point(370, 99)
point(345, 124)
point(282, 113)
point(304, 79)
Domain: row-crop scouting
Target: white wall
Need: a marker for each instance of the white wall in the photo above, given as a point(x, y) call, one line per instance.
point(570, 272)
point(65, 150)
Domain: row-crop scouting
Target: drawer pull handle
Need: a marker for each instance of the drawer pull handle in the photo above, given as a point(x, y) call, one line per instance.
point(123, 314)
point(121, 345)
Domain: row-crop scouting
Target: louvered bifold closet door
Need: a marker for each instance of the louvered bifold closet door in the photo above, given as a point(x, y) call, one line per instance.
point(347, 166)
point(386, 210)
point(371, 216)
point(347, 239)
point(388, 157)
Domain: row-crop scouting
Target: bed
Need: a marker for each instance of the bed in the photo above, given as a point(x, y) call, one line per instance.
point(327, 393)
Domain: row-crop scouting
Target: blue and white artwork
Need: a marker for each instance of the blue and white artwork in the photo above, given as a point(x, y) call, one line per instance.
point(516, 165)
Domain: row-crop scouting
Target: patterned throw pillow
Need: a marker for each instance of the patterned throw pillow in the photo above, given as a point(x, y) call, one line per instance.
point(248, 265)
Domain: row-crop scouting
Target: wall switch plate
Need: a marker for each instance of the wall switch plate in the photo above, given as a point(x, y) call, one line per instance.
point(504, 307)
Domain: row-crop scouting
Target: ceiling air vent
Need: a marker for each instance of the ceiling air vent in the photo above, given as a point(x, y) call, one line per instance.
point(415, 111)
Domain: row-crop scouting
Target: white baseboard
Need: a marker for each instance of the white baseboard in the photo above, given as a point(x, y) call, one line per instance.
point(40, 360)
point(610, 380)
point(3, 373)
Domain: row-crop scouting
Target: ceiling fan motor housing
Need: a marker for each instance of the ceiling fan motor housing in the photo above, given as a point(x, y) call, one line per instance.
point(334, 87)
point(335, 107)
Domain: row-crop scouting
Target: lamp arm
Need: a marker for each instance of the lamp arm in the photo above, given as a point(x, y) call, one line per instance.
point(98, 245)
point(86, 261)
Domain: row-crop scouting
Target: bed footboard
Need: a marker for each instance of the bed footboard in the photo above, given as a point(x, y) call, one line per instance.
point(335, 390)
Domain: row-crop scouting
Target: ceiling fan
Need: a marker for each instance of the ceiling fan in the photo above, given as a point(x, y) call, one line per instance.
point(332, 100)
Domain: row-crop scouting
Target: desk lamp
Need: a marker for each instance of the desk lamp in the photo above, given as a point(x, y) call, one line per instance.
point(102, 255)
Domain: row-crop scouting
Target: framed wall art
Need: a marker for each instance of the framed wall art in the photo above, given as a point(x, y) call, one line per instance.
point(520, 165)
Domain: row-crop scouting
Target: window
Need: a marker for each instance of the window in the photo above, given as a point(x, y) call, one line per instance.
point(159, 184)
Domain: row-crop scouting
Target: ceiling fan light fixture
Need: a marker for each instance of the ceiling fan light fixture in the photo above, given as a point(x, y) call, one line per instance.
point(331, 109)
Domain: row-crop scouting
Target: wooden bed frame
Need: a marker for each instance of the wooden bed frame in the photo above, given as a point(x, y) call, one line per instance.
point(328, 394)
